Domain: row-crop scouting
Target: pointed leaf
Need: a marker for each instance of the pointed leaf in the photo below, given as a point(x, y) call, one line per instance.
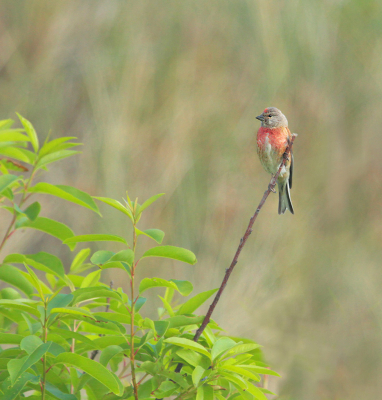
point(93, 368)
point(188, 344)
point(13, 276)
point(195, 302)
point(173, 252)
point(7, 180)
point(79, 259)
point(221, 346)
point(67, 193)
point(149, 202)
point(33, 211)
point(197, 374)
point(12, 392)
point(94, 238)
point(30, 131)
point(54, 228)
point(155, 234)
point(16, 369)
point(18, 154)
point(116, 204)
point(43, 261)
point(56, 156)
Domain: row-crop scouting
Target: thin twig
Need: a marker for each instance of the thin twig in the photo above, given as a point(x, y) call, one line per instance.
point(243, 240)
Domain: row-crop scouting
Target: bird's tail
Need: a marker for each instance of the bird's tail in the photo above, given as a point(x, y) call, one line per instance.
point(284, 197)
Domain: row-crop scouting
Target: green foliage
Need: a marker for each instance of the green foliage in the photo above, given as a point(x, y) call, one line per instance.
point(55, 327)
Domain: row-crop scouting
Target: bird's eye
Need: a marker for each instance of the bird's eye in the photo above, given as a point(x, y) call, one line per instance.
point(269, 115)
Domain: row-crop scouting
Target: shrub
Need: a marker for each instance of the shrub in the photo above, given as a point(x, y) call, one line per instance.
point(67, 335)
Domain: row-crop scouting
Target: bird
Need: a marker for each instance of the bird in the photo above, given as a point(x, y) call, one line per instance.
point(273, 138)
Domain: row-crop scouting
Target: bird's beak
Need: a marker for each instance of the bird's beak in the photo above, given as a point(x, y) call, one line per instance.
point(260, 117)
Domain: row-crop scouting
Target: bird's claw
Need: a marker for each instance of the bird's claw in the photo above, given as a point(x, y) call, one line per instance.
point(286, 156)
point(272, 185)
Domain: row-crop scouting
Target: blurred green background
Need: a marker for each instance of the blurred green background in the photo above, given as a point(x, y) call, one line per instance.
point(164, 95)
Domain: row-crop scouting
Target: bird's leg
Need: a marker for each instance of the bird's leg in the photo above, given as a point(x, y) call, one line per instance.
point(272, 184)
point(286, 156)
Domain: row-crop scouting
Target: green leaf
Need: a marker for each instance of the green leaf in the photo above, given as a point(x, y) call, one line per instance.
point(195, 302)
point(94, 369)
point(161, 327)
point(149, 202)
point(173, 252)
point(208, 392)
point(94, 238)
point(60, 300)
point(54, 228)
point(79, 259)
point(108, 353)
point(92, 293)
point(242, 348)
point(30, 131)
point(55, 392)
point(181, 320)
point(256, 392)
point(13, 135)
point(116, 204)
point(259, 370)
point(126, 256)
point(30, 343)
point(91, 279)
point(101, 257)
point(18, 154)
point(241, 371)
point(7, 180)
point(12, 392)
point(167, 306)
point(19, 305)
point(42, 261)
point(183, 287)
point(33, 211)
point(57, 145)
point(221, 346)
point(15, 368)
point(13, 276)
point(197, 374)
point(56, 156)
point(68, 193)
point(75, 311)
point(200, 393)
point(10, 338)
point(155, 234)
point(188, 344)
point(166, 389)
point(6, 123)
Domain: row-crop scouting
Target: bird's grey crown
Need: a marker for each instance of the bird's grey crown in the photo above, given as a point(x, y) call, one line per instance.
point(273, 118)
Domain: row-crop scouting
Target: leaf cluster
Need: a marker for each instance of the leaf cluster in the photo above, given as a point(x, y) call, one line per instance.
point(64, 333)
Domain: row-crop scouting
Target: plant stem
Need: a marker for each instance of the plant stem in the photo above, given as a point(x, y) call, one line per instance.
point(132, 351)
point(45, 336)
point(243, 240)
point(23, 199)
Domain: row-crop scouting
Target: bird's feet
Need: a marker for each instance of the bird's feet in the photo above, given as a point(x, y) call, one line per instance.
point(286, 156)
point(272, 185)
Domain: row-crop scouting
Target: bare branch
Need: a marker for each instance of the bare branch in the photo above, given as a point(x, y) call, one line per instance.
point(243, 240)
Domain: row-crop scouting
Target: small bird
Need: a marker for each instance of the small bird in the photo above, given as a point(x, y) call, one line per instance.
point(273, 138)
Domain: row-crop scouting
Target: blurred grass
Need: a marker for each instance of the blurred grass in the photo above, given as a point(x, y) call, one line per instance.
point(164, 95)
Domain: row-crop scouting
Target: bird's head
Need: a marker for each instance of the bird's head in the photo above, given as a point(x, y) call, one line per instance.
point(272, 117)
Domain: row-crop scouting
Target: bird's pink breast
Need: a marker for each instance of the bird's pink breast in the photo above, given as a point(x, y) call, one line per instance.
point(271, 145)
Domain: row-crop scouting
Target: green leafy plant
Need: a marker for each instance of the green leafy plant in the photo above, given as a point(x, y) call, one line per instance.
point(64, 334)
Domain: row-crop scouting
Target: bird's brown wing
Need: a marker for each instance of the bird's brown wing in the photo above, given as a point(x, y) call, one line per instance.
point(291, 160)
